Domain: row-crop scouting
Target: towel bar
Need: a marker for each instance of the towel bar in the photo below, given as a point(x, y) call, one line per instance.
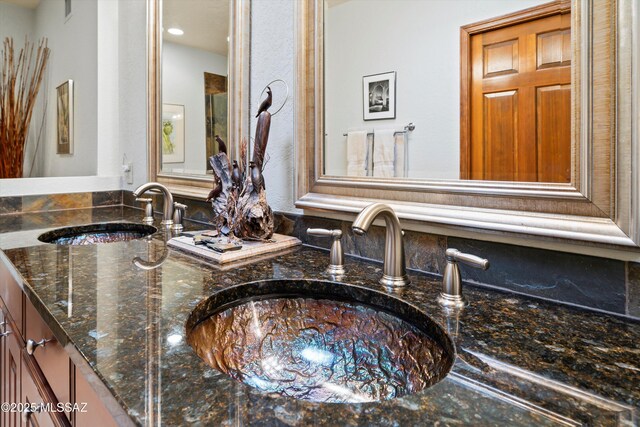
point(408, 128)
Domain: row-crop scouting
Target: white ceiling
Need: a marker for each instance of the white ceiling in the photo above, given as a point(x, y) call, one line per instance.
point(29, 4)
point(205, 23)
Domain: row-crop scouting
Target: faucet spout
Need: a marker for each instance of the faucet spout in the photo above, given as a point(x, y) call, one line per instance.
point(394, 271)
point(167, 209)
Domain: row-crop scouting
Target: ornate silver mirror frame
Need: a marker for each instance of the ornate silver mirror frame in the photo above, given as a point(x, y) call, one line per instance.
point(198, 186)
point(601, 204)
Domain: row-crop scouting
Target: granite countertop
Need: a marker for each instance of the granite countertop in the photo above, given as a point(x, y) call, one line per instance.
point(519, 361)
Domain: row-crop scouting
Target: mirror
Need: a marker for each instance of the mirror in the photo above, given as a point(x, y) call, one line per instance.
point(198, 87)
point(195, 44)
point(63, 131)
point(442, 90)
point(597, 203)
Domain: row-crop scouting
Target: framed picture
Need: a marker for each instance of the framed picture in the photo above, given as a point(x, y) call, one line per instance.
point(379, 96)
point(172, 133)
point(64, 95)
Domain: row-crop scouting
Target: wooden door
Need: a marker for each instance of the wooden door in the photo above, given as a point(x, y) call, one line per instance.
point(520, 102)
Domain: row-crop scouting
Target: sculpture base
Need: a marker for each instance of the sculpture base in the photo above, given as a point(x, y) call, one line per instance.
point(249, 249)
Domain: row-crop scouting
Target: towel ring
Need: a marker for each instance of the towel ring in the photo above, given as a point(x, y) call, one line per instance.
point(286, 98)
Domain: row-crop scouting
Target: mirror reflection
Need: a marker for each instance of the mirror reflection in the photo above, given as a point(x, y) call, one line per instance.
point(195, 37)
point(404, 97)
point(63, 130)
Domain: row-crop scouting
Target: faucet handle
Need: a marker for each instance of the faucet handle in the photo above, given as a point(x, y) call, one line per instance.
point(148, 209)
point(454, 255)
point(178, 214)
point(451, 295)
point(336, 262)
point(321, 232)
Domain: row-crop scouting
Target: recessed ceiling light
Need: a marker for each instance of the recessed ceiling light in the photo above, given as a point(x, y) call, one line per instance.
point(175, 31)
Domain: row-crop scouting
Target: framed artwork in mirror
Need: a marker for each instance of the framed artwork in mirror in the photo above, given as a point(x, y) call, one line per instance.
point(172, 133)
point(379, 96)
point(64, 96)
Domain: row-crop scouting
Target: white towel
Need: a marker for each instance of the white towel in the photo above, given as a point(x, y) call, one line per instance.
point(356, 153)
point(399, 171)
point(383, 153)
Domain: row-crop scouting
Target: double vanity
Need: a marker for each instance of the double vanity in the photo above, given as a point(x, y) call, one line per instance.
point(507, 130)
point(157, 337)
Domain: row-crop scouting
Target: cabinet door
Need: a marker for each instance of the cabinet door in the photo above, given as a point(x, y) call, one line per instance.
point(10, 367)
point(30, 395)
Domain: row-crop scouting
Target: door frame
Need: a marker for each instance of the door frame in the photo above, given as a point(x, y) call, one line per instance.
point(466, 32)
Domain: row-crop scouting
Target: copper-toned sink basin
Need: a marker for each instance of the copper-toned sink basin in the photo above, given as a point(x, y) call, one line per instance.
point(316, 341)
point(97, 233)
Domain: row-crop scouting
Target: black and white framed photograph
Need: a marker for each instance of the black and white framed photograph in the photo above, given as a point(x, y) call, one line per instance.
point(379, 96)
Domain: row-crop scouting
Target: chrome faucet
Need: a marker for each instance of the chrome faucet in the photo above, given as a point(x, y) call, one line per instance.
point(451, 295)
point(394, 271)
point(167, 209)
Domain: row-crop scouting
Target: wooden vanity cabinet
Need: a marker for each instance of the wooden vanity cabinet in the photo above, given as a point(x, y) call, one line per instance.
point(47, 376)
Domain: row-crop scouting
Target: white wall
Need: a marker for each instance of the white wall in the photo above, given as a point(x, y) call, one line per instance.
point(74, 52)
point(132, 72)
point(183, 70)
point(16, 22)
point(420, 40)
point(272, 57)
point(108, 123)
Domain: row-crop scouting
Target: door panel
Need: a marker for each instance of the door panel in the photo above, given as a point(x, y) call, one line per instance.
point(500, 58)
point(553, 114)
point(554, 49)
point(500, 137)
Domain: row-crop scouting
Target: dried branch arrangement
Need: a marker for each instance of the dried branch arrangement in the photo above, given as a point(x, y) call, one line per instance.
point(21, 79)
point(238, 198)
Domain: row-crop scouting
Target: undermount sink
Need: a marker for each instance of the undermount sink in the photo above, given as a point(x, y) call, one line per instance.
point(317, 341)
point(97, 233)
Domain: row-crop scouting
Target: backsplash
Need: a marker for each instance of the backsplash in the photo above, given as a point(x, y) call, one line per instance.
point(587, 281)
point(591, 282)
point(62, 201)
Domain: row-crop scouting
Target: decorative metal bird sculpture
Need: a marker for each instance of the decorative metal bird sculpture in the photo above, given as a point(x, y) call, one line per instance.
point(257, 180)
point(236, 176)
point(266, 103)
point(217, 189)
point(222, 147)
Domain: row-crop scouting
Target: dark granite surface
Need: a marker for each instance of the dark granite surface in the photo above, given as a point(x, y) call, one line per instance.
point(519, 362)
